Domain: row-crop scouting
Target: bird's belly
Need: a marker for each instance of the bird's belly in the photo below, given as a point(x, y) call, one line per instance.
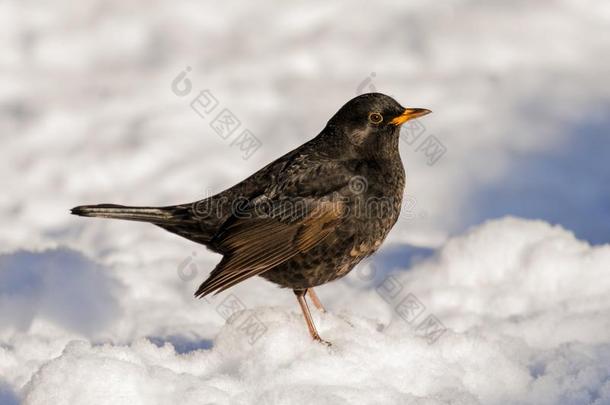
point(317, 266)
point(335, 257)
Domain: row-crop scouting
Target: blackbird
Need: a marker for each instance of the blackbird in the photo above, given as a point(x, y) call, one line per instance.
point(306, 218)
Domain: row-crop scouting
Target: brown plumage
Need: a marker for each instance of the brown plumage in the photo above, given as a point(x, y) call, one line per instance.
point(308, 217)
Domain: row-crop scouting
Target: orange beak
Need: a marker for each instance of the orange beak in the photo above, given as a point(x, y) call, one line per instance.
point(409, 114)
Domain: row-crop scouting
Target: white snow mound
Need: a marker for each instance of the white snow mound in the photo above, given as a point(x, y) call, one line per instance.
point(525, 305)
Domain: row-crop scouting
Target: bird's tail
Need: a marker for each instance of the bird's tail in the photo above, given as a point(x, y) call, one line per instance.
point(156, 215)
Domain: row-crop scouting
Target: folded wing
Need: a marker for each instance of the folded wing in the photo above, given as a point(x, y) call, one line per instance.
point(252, 246)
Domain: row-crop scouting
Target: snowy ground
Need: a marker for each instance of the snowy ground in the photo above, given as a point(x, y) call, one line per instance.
point(462, 305)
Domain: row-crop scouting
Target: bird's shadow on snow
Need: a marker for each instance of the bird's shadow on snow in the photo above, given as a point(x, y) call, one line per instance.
point(7, 395)
point(567, 185)
point(61, 286)
point(388, 260)
point(182, 344)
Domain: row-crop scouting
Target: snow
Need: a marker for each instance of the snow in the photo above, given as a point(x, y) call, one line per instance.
point(522, 309)
point(493, 287)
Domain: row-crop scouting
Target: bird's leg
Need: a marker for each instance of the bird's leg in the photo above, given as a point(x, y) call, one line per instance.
point(315, 300)
point(310, 326)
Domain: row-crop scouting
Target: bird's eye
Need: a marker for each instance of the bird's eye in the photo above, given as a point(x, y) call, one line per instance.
point(375, 118)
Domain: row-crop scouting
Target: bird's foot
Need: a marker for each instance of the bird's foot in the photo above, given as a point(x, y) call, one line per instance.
point(315, 300)
point(320, 340)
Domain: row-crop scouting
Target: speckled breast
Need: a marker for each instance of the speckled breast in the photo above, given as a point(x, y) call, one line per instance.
point(370, 216)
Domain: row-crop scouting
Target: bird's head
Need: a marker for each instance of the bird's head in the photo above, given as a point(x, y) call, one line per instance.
point(371, 123)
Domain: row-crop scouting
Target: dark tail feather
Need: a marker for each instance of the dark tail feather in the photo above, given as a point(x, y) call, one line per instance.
point(145, 214)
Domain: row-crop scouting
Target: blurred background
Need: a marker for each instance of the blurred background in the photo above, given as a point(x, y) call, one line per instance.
point(518, 93)
point(96, 107)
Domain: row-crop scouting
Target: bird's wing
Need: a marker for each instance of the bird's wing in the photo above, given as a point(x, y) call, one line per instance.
point(254, 245)
point(312, 177)
point(295, 212)
point(298, 174)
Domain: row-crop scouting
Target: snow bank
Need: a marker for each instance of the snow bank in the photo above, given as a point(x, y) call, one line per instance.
point(523, 317)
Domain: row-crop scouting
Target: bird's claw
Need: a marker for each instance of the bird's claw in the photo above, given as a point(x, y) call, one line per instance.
point(317, 338)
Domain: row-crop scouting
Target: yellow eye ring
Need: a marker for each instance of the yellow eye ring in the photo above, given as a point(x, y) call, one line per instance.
point(375, 118)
